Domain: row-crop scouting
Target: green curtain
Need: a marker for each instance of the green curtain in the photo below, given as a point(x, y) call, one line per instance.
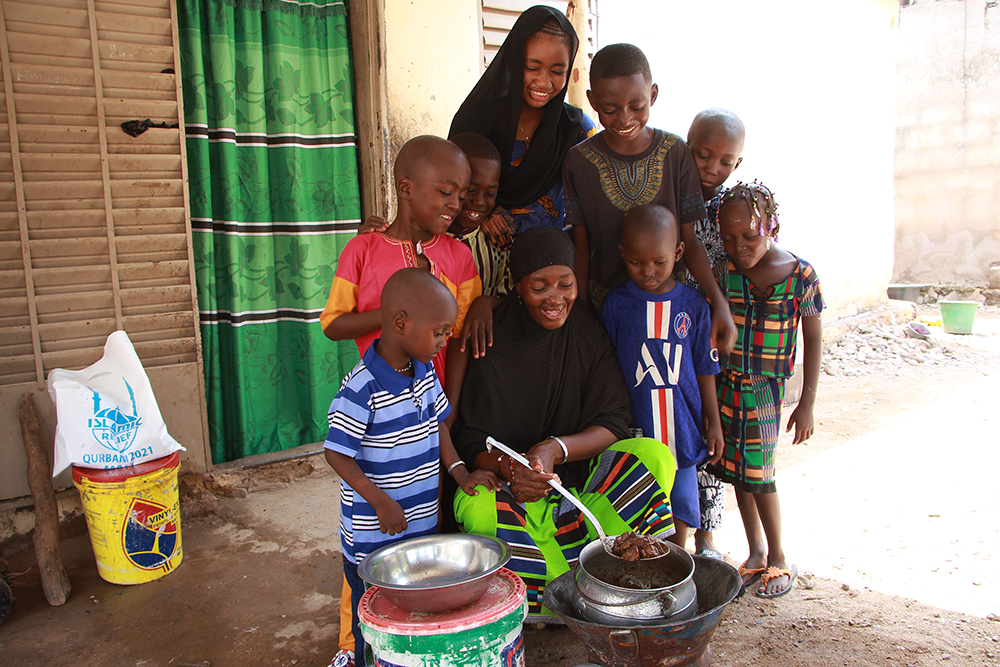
point(272, 166)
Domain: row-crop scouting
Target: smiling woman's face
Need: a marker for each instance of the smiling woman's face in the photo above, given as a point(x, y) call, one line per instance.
point(548, 294)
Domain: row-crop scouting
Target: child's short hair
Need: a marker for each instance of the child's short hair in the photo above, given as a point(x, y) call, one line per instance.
point(617, 60)
point(475, 145)
point(649, 218)
point(418, 150)
point(758, 198)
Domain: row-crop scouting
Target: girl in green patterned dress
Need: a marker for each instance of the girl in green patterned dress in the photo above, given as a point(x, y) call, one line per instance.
point(769, 291)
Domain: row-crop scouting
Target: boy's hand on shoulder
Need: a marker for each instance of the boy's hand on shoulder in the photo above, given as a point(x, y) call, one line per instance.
point(391, 518)
point(373, 224)
point(722, 335)
point(802, 419)
point(470, 480)
point(714, 442)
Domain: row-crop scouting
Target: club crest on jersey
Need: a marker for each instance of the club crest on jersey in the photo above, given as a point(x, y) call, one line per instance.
point(682, 324)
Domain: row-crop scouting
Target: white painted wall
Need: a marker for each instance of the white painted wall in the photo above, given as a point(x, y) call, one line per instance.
point(815, 85)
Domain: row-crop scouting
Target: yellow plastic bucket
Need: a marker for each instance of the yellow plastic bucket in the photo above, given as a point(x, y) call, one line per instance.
point(133, 516)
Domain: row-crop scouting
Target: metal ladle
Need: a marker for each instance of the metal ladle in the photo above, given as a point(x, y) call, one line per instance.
point(605, 540)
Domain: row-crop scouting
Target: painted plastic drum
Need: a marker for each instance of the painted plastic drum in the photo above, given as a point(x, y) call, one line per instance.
point(133, 516)
point(486, 633)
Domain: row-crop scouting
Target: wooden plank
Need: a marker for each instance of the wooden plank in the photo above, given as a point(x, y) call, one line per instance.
point(11, 250)
point(150, 216)
point(134, 37)
point(153, 136)
point(164, 295)
point(146, 188)
point(77, 247)
point(137, 8)
point(16, 307)
point(60, 190)
point(64, 138)
point(147, 272)
point(146, 93)
point(62, 47)
point(142, 25)
point(52, 32)
point(22, 211)
point(50, 60)
point(105, 173)
point(145, 81)
point(64, 219)
point(114, 53)
point(48, 280)
point(77, 302)
point(74, 332)
point(160, 321)
point(26, 73)
point(71, 359)
point(158, 110)
point(147, 202)
point(143, 164)
point(161, 243)
point(51, 162)
point(86, 107)
point(33, 13)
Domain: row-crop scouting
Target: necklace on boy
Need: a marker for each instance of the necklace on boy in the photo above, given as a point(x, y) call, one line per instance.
point(408, 366)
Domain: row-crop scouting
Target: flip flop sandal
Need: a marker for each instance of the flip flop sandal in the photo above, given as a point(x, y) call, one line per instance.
point(773, 573)
point(754, 574)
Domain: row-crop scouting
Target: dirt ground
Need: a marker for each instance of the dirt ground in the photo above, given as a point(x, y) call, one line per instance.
point(891, 512)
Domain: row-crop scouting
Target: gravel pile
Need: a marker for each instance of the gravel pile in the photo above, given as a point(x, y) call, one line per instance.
point(880, 348)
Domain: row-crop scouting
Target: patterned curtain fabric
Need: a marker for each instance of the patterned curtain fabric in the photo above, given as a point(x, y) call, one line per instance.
point(268, 107)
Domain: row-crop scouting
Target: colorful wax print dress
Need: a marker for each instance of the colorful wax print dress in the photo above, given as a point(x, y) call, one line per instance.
point(752, 383)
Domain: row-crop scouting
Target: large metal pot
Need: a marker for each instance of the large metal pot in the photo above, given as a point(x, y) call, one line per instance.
point(642, 592)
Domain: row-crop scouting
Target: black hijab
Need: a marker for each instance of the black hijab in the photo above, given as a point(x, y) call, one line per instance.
point(494, 107)
point(537, 382)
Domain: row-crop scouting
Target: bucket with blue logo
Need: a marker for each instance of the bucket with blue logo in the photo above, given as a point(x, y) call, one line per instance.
point(125, 464)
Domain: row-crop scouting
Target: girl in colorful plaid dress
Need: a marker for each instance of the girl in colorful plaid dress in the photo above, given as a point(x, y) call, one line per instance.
point(769, 291)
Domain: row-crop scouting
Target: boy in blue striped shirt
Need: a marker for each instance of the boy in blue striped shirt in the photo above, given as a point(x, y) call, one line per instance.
point(387, 437)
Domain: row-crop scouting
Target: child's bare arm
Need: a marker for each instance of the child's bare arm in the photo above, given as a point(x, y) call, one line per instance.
point(391, 518)
point(467, 480)
point(710, 411)
point(581, 241)
point(456, 361)
point(723, 334)
point(477, 331)
point(812, 359)
point(354, 325)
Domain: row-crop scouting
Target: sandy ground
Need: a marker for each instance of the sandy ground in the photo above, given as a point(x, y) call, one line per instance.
point(891, 513)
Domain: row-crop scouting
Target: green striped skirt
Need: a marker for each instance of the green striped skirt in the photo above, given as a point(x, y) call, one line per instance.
point(750, 408)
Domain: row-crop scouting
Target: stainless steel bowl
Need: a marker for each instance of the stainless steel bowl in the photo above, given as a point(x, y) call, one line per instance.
point(437, 572)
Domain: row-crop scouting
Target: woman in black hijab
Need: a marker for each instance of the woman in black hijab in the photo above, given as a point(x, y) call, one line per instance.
point(551, 388)
point(518, 104)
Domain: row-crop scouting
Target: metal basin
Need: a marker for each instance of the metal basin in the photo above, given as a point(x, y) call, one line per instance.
point(669, 644)
point(641, 592)
point(435, 573)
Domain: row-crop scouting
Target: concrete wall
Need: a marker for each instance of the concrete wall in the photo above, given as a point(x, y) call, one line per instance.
point(815, 85)
point(433, 56)
point(948, 142)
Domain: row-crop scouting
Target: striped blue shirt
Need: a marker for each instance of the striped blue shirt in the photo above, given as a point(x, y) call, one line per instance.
point(388, 423)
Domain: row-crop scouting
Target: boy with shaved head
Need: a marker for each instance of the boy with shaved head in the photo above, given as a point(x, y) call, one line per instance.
point(431, 177)
point(387, 437)
point(716, 140)
point(660, 330)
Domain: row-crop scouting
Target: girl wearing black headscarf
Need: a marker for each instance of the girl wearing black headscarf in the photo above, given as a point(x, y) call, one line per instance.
point(551, 388)
point(518, 104)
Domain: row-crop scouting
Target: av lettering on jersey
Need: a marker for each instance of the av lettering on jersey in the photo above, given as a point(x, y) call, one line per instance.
point(149, 536)
point(112, 427)
point(661, 395)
